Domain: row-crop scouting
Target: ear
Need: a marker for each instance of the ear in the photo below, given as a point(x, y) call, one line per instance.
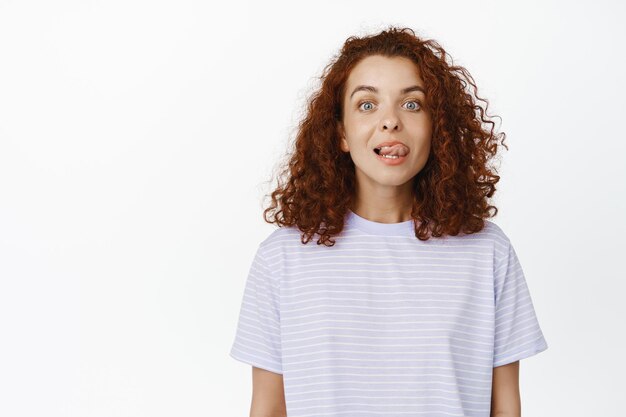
point(343, 143)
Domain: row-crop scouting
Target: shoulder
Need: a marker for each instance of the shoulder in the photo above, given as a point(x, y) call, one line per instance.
point(491, 238)
point(280, 237)
point(503, 250)
point(496, 233)
point(279, 243)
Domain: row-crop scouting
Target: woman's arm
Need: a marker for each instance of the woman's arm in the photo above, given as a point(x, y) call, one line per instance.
point(505, 396)
point(268, 394)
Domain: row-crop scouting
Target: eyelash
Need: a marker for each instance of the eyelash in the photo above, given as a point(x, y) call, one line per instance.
point(410, 101)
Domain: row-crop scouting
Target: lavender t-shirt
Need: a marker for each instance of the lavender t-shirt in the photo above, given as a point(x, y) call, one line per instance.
point(384, 324)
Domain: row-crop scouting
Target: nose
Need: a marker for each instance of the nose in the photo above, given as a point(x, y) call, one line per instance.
point(390, 122)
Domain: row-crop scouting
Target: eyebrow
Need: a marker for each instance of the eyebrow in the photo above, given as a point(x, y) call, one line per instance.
point(375, 90)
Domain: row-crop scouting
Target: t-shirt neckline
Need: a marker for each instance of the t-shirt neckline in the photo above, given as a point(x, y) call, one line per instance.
point(405, 228)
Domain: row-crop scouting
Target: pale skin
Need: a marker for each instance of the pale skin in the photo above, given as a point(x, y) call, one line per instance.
point(268, 394)
point(505, 395)
point(384, 192)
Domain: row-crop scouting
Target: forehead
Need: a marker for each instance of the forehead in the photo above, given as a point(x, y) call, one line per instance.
point(385, 72)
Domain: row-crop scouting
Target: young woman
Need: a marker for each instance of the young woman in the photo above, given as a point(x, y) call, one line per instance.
point(411, 302)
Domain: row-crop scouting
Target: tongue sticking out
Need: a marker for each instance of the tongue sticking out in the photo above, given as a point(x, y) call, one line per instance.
point(395, 150)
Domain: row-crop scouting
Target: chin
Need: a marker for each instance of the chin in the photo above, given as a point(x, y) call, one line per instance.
point(396, 181)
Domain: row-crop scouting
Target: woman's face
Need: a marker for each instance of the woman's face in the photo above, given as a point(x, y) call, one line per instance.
point(383, 102)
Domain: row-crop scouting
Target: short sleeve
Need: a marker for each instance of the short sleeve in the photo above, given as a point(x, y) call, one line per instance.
point(517, 331)
point(257, 338)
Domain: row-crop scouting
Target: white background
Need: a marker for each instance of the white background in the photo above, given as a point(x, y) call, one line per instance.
point(136, 139)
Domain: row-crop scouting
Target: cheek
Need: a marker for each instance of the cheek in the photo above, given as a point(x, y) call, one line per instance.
point(422, 126)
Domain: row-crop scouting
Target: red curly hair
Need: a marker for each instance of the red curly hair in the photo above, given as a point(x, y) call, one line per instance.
point(317, 185)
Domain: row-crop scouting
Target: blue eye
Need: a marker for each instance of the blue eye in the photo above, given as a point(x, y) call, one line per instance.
point(364, 102)
point(414, 101)
point(417, 107)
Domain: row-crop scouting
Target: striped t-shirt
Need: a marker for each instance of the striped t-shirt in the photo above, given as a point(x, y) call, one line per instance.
point(384, 324)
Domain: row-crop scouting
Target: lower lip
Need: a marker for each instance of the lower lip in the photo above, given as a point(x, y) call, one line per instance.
point(390, 161)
